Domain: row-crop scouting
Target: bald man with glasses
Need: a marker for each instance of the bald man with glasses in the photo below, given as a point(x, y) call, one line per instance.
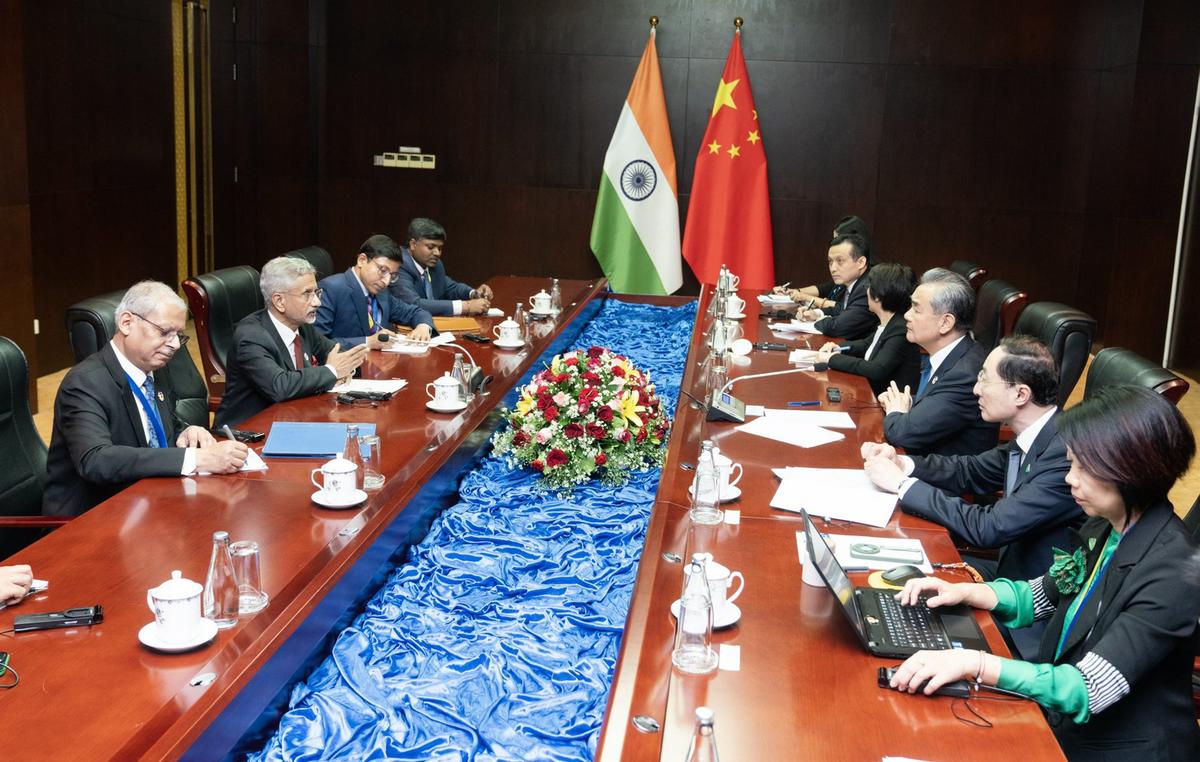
point(115, 424)
point(277, 353)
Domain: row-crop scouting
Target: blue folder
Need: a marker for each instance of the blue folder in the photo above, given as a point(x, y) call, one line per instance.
point(294, 439)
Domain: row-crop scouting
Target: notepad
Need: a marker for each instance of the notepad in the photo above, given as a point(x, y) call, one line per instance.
point(781, 430)
point(295, 439)
point(796, 326)
point(370, 386)
point(456, 324)
point(836, 493)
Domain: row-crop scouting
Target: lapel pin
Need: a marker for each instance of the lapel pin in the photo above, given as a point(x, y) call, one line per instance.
point(161, 398)
point(1091, 543)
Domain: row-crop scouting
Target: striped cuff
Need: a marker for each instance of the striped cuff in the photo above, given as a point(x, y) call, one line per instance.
point(1042, 607)
point(1105, 685)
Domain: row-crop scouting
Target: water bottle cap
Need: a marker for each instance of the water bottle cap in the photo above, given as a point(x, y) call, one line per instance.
point(220, 536)
point(704, 715)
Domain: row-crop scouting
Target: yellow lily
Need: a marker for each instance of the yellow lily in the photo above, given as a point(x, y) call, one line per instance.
point(524, 405)
point(630, 408)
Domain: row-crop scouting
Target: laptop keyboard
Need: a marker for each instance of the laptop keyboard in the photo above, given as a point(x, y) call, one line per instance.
point(911, 626)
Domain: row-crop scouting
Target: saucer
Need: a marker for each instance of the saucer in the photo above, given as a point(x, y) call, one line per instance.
point(205, 633)
point(505, 345)
point(540, 314)
point(730, 492)
point(728, 616)
point(737, 316)
point(354, 498)
point(453, 407)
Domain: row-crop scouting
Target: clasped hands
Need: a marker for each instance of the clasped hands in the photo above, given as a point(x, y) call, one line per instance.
point(933, 669)
point(893, 400)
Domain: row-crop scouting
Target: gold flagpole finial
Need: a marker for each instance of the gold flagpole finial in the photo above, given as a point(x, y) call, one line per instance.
point(737, 23)
point(654, 22)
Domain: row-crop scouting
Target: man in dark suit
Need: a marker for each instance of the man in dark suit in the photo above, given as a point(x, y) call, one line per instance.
point(277, 354)
point(422, 279)
point(113, 425)
point(356, 306)
point(846, 314)
point(941, 416)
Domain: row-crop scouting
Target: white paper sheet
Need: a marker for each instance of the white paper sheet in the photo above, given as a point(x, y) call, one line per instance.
point(829, 419)
point(775, 299)
point(796, 326)
point(379, 385)
point(803, 357)
point(836, 493)
point(253, 462)
point(780, 430)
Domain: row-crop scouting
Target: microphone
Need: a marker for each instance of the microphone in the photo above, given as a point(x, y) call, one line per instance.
point(726, 407)
point(476, 380)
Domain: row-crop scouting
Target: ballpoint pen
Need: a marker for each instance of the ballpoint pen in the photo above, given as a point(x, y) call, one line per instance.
point(229, 433)
point(804, 403)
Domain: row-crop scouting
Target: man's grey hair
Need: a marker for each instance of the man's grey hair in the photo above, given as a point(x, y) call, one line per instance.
point(145, 296)
point(281, 273)
point(953, 295)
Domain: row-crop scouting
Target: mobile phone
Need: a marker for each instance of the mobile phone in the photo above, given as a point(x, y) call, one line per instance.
point(245, 437)
point(771, 345)
point(833, 393)
point(477, 338)
point(957, 689)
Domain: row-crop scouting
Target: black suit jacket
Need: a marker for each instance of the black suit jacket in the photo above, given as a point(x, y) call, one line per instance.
point(259, 370)
point(895, 358)
point(410, 287)
point(98, 445)
point(1027, 523)
point(945, 420)
point(853, 322)
point(1143, 623)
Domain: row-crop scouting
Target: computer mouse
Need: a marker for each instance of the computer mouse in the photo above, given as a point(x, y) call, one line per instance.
point(898, 575)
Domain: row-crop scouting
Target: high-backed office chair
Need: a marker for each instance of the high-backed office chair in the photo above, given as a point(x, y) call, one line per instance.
point(91, 323)
point(317, 257)
point(1114, 366)
point(996, 310)
point(219, 300)
point(1067, 332)
point(975, 274)
point(22, 456)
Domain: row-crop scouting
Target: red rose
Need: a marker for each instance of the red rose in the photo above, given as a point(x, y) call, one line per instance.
point(571, 361)
point(626, 436)
point(617, 370)
point(573, 431)
point(660, 433)
point(594, 351)
point(586, 396)
point(605, 413)
point(543, 401)
point(641, 435)
point(596, 432)
point(555, 457)
point(537, 465)
point(550, 413)
point(520, 439)
point(601, 459)
point(591, 377)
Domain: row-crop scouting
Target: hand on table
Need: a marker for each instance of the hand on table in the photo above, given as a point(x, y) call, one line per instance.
point(221, 457)
point(894, 400)
point(810, 315)
point(884, 473)
point(375, 344)
point(485, 291)
point(14, 583)
point(195, 436)
point(827, 350)
point(936, 667)
point(476, 306)
point(878, 450)
point(421, 333)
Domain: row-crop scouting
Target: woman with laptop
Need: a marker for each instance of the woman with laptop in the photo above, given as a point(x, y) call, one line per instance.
point(887, 355)
point(1122, 604)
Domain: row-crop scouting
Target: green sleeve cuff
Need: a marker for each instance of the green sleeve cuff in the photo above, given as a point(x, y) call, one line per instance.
point(1060, 687)
point(1015, 607)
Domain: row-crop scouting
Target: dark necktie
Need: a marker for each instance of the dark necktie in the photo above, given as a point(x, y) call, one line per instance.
point(926, 372)
point(148, 390)
point(846, 299)
point(1014, 469)
point(373, 315)
point(428, 285)
point(297, 353)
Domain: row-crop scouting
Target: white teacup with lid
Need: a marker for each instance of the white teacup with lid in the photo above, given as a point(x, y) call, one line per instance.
point(540, 302)
point(508, 331)
point(176, 607)
point(445, 390)
point(338, 477)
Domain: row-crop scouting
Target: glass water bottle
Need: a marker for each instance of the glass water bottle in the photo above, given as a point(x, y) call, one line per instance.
point(706, 488)
point(221, 586)
point(352, 451)
point(704, 744)
point(693, 652)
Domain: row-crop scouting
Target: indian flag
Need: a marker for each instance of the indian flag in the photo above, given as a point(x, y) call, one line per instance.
point(635, 233)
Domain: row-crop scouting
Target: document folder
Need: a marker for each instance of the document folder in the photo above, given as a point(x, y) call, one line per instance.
point(294, 439)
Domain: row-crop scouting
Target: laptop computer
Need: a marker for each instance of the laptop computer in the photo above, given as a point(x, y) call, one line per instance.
point(884, 626)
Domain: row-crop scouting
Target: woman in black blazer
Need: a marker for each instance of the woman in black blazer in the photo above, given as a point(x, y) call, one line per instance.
point(887, 355)
point(1122, 603)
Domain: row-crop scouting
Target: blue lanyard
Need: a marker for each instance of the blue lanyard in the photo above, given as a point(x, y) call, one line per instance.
point(1095, 583)
point(151, 412)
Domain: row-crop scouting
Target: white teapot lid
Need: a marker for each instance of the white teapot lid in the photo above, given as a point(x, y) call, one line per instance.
point(338, 465)
point(508, 322)
point(541, 293)
point(445, 380)
point(178, 587)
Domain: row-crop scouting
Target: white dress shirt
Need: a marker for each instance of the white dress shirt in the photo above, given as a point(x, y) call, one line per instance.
point(288, 336)
point(421, 271)
point(139, 377)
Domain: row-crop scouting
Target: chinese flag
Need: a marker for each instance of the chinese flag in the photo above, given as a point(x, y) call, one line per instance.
point(729, 214)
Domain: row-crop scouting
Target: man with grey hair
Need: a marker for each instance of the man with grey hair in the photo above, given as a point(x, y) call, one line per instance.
point(277, 354)
point(113, 425)
point(941, 416)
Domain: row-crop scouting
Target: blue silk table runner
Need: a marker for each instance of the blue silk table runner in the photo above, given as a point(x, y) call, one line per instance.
point(498, 638)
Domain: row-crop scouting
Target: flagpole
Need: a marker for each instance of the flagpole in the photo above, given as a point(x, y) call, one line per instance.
point(737, 25)
point(654, 26)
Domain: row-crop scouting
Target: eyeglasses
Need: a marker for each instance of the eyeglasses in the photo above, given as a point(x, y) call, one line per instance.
point(165, 334)
point(386, 274)
point(983, 379)
point(307, 295)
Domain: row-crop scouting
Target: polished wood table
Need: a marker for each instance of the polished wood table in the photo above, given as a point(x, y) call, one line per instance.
point(805, 688)
point(96, 693)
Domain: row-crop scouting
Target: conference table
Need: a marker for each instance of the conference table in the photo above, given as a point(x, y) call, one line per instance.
point(97, 693)
point(805, 688)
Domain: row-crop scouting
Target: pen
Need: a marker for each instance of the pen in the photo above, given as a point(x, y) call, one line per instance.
point(785, 285)
point(804, 403)
point(229, 433)
point(856, 568)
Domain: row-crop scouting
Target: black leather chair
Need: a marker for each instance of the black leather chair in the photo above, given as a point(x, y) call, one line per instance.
point(996, 310)
point(22, 457)
point(1067, 332)
point(218, 301)
point(92, 323)
point(317, 257)
point(1116, 366)
point(975, 274)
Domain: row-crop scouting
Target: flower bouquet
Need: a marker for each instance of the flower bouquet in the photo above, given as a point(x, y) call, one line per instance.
point(590, 411)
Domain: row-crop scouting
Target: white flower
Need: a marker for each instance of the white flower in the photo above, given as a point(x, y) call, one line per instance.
point(544, 435)
point(561, 399)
